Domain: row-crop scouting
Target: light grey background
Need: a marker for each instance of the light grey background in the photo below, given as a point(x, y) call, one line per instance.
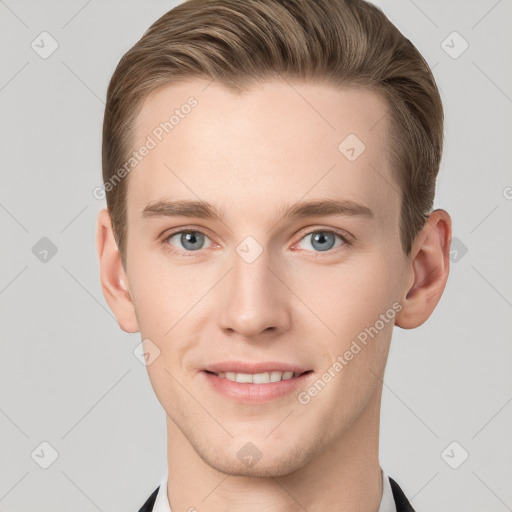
point(68, 373)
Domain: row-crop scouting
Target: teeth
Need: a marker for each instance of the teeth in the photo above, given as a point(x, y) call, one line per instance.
point(257, 378)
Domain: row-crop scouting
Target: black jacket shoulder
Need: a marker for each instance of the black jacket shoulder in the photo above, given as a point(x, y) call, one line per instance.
point(148, 506)
point(401, 501)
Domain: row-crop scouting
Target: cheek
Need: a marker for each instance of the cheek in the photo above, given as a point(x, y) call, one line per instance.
point(150, 308)
point(153, 305)
point(170, 311)
point(350, 295)
point(162, 293)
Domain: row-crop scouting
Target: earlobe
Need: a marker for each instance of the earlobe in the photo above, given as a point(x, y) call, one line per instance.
point(430, 265)
point(114, 280)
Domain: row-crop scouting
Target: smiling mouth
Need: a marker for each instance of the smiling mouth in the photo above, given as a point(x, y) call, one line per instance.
point(258, 378)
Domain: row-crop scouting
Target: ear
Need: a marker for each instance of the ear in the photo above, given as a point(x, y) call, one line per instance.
point(430, 265)
point(114, 280)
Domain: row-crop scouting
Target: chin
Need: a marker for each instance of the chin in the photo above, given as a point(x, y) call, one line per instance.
point(250, 461)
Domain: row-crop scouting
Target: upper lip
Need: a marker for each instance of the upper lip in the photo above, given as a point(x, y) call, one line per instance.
point(264, 366)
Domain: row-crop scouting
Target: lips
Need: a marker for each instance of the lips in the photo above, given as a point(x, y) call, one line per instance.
point(255, 393)
point(262, 367)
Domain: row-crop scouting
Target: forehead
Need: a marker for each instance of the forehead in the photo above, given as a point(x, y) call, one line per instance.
point(278, 142)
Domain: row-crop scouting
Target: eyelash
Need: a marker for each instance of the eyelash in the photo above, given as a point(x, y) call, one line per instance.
point(170, 248)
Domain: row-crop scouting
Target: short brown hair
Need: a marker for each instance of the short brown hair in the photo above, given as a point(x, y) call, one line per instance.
point(238, 43)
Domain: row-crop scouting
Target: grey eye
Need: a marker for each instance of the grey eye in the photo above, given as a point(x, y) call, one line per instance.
point(322, 240)
point(189, 240)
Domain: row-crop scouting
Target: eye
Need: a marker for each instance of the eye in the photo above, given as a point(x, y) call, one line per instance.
point(322, 240)
point(191, 240)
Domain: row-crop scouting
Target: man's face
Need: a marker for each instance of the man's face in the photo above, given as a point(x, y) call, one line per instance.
point(259, 286)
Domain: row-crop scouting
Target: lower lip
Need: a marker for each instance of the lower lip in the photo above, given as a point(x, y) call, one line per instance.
point(245, 392)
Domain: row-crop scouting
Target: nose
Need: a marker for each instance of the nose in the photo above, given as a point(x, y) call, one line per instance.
point(255, 300)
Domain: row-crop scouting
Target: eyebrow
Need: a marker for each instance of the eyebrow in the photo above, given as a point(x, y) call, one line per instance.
point(205, 210)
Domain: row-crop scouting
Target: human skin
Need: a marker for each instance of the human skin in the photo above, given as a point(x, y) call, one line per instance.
point(251, 155)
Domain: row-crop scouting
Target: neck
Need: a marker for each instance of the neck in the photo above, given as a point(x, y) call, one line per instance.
point(343, 475)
